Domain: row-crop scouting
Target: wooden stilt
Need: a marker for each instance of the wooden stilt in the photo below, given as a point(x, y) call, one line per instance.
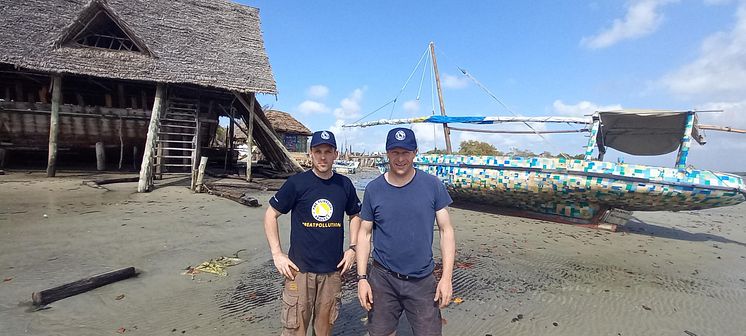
point(7, 94)
point(201, 174)
point(250, 137)
point(120, 95)
point(146, 168)
point(44, 94)
point(108, 101)
point(19, 92)
point(144, 99)
point(100, 156)
point(2, 158)
point(135, 155)
point(54, 121)
point(79, 98)
point(121, 143)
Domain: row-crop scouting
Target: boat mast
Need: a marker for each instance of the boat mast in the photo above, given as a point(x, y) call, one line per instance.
point(446, 130)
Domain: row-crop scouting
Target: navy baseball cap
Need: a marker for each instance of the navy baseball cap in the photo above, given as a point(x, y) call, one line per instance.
point(323, 137)
point(401, 138)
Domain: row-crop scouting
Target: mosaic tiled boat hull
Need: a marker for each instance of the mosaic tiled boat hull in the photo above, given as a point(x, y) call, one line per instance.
point(580, 189)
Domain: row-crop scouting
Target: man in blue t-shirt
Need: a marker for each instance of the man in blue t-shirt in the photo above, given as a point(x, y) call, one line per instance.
point(399, 209)
point(317, 200)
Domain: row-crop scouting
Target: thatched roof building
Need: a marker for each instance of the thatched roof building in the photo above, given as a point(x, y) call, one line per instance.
point(283, 122)
point(211, 43)
point(148, 77)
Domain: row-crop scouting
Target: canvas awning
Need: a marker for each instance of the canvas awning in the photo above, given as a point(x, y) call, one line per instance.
point(643, 133)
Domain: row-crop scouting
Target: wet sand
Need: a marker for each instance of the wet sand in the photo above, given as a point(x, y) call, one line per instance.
point(666, 274)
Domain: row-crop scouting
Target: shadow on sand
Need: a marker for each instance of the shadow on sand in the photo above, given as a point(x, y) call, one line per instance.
point(640, 227)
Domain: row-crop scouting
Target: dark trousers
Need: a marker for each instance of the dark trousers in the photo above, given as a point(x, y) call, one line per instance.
point(392, 296)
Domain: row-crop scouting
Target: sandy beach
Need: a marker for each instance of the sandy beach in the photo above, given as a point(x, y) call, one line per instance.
point(665, 273)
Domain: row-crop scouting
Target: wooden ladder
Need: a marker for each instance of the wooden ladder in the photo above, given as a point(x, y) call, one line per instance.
point(177, 143)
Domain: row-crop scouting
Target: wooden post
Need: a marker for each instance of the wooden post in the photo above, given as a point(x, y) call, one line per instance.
point(100, 156)
point(44, 94)
point(446, 130)
point(2, 158)
point(250, 137)
point(121, 143)
point(270, 133)
point(135, 155)
point(201, 174)
point(146, 168)
point(120, 95)
point(79, 98)
point(7, 93)
point(19, 91)
point(58, 293)
point(107, 100)
point(144, 99)
point(54, 121)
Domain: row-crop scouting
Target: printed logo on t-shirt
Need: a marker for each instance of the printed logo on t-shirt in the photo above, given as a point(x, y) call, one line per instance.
point(400, 135)
point(322, 210)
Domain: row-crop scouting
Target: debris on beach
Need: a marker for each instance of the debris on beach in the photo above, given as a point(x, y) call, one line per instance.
point(458, 300)
point(216, 266)
point(119, 297)
point(517, 318)
point(48, 296)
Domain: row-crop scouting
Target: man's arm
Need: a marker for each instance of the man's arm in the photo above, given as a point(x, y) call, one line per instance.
point(348, 259)
point(448, 253)
point(364, 293)
point(283, 263)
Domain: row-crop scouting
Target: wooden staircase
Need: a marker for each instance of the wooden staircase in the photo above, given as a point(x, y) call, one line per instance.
point(177, 143)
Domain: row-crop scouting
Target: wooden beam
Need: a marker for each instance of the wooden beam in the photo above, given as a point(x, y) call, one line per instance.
point(720, 128)
point(120, 95)
point(100, 156)
point(54, 121)
point(271, 134)
point(250, 136)
point(19, 91)
point(146, 168)
point(446, 130)
point(48, 296)
point(515, 132)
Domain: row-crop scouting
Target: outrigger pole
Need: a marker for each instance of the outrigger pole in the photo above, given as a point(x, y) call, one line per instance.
point(446, 130)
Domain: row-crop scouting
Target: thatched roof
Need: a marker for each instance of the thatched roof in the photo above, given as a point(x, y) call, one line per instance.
point(213, 43)
point(283, 122)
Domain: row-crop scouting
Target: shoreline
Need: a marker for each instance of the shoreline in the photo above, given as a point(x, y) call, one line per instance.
point(665, 273)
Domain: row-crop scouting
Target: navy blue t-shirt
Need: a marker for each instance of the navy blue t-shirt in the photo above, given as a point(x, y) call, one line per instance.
point(317, 218)
point(403, 219)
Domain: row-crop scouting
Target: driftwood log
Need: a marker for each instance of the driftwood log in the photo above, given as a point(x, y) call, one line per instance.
point(48, 296)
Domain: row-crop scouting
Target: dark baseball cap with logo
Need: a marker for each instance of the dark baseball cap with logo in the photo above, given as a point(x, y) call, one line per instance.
point(401, 138)
point(323, 137)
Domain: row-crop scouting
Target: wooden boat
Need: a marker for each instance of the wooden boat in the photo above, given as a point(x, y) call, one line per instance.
point(588, 190)
point(585, 190)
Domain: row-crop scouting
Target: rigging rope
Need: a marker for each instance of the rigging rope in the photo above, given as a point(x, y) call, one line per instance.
point(407, 82)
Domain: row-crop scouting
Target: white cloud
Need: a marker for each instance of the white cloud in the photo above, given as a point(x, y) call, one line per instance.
point(317, 92)
point(454, 82)
point(733, 115)
point(642, 19)
point(349, 108)
point(312, 107)
point(411, 106)
point(583, 108)
point(720, 69)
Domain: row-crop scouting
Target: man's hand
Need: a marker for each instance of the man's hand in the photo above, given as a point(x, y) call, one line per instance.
point(364, 294)
point(443, 293)
point(348, 259)
point(285, 266)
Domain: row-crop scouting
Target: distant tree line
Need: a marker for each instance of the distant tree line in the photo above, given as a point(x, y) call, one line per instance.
point(480, 148)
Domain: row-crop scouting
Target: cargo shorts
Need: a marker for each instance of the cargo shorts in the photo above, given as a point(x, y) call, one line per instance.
point(311, 295)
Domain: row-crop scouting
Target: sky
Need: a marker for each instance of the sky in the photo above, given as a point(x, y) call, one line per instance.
point(336, 62)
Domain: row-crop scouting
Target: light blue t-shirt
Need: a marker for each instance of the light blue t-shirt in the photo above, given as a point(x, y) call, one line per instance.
point(403, 220)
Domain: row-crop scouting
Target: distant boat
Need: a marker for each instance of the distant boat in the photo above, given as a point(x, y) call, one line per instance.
point(345, 166)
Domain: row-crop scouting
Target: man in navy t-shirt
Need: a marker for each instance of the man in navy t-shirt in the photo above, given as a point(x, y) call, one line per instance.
point(317, 200)
point(399, 210)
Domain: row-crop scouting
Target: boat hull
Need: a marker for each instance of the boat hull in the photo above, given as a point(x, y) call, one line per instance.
point(580, 189)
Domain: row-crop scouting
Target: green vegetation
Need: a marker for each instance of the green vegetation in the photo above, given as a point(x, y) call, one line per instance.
point(474, 147)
